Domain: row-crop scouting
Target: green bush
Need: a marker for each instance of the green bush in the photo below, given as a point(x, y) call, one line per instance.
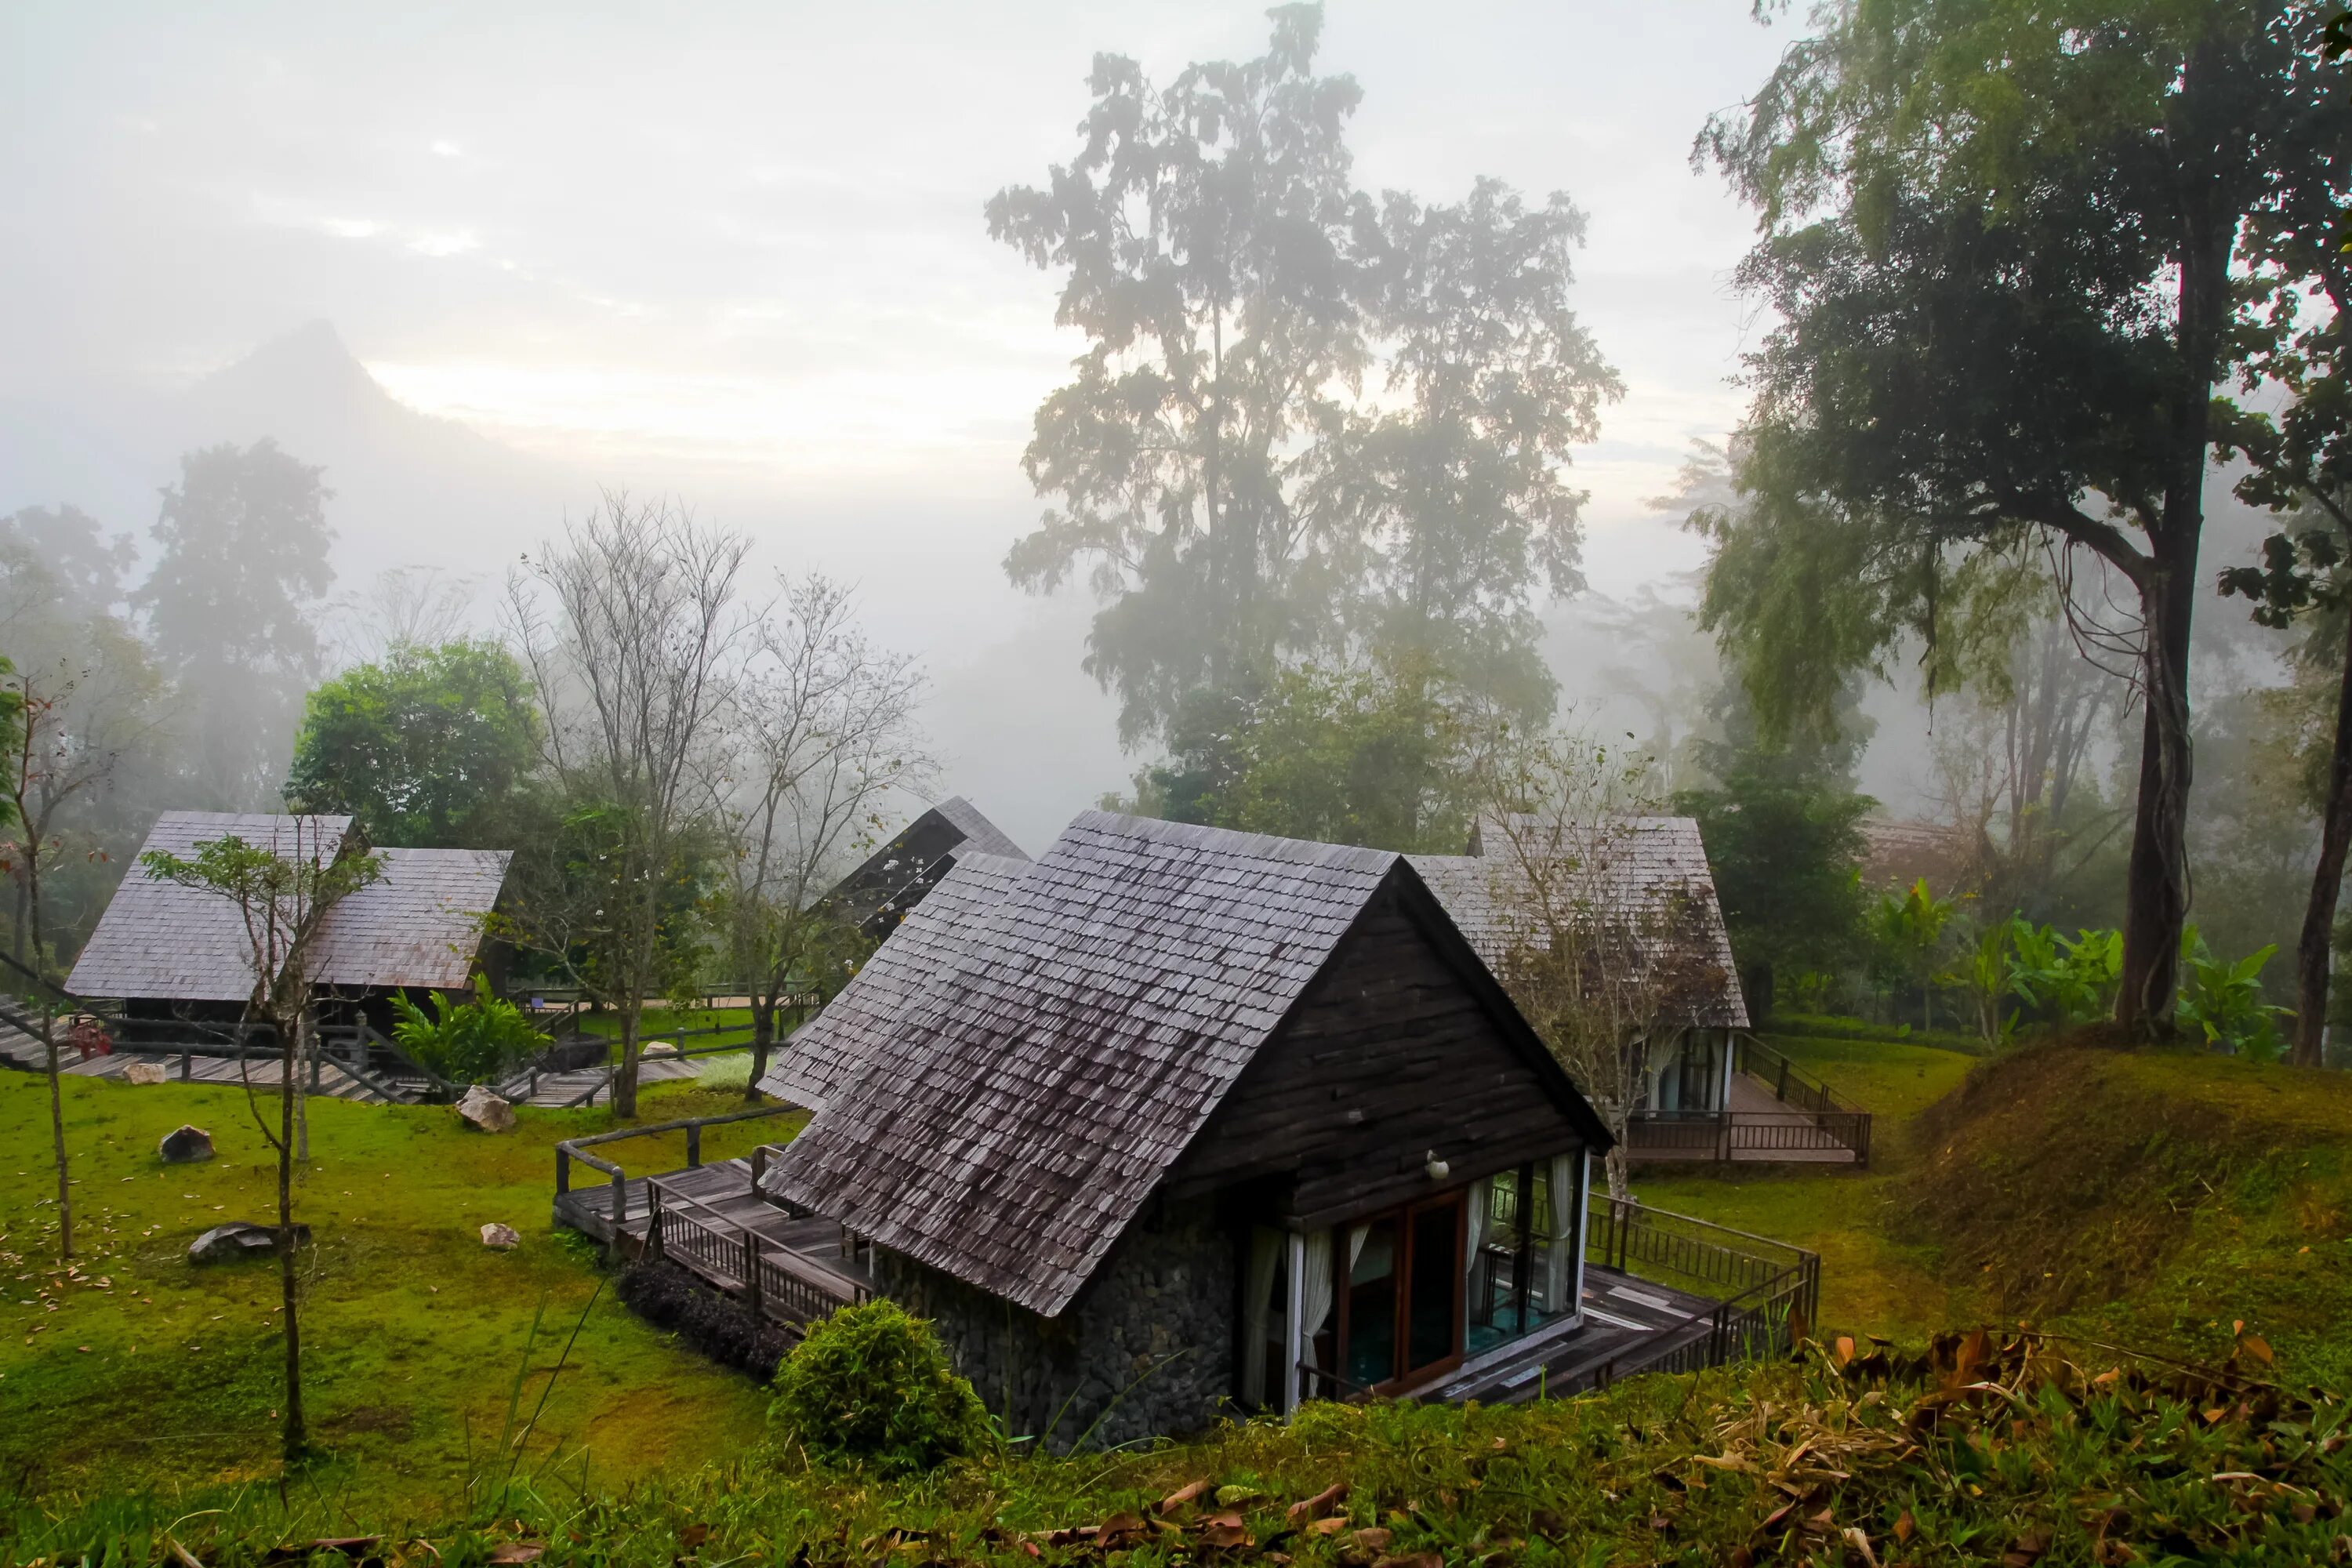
point(870, 1385)
point(473, 1042)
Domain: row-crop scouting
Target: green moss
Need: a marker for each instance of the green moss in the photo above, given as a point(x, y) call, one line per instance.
point(142, 1370)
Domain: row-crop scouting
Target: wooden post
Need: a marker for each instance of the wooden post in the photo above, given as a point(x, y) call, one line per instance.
point(563, 1170)
point(759, 1168)
point(693, 1145)
point(653, 1219)
point(1294, 1342)
point(1782, 1092)
point(620, 1203)
point(752, 1272)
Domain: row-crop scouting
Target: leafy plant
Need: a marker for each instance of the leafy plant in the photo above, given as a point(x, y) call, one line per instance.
point(472, 1042)
point(1991, 974)
point(2071, 979)
point(2224, 1001)
point(870, 1385)
point(1908, 933)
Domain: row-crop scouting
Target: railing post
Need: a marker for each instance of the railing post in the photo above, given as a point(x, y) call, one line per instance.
point(1782, 1092)
point(1723, 1137)
point(751, 1272)
point(563, 1170)
point(758, 1167)
point(693, 1145)
point(620, 1203)
point(653, 1219)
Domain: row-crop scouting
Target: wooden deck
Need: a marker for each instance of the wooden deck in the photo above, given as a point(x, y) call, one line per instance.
point(1629, 1325)
point(711, 1221)
point(1758, 1130)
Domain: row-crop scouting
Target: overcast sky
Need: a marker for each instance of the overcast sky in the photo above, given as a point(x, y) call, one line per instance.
point(736, 251)
point(746, 241)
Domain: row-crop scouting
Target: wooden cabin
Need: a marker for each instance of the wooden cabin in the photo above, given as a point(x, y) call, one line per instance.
point(1176, 1121)
point(173, 955)
point(896, 877)
point(1657, 863)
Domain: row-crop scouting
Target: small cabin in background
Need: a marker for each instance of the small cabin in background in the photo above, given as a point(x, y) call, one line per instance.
point(896, 877)
point(1657, 864)
point(174, 955)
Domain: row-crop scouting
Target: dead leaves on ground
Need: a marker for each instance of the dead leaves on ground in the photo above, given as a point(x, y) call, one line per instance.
point(1193, 1519)
point(1940, 1423)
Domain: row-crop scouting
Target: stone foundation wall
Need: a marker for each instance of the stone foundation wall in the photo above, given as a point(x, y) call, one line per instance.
point(1147, 1349)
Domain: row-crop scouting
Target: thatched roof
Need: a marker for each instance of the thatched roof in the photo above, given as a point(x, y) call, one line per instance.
point(420, 925)
point(1657, 874)
point(1009, 1122)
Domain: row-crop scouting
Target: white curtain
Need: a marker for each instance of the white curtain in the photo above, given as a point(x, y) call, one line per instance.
point(1477, 1237)
point(1265, 1257)
point(1560, 1264)
point(1315, 1302)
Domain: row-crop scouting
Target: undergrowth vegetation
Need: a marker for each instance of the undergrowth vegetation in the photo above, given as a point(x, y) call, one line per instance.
point(2024, 1451)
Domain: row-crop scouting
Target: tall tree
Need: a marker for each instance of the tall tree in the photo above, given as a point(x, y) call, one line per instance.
point(630, 629)
point(822, 731)
point(228, 611)
point(2000, 244)
point(429, 747)
point(283, 892)
point(1306, 421)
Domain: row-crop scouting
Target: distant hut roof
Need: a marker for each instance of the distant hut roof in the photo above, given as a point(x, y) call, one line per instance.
point(823, 1053)
point(419, 924)
point(1897, 854)
point(1009, 1123)
point(896, 877)
point(1658, 864)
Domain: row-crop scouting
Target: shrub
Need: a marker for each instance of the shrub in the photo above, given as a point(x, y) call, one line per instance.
point(870, 1385)
point(473, 1042)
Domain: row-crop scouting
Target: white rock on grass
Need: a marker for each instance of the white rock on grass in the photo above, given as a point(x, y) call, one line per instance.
point(144, 1072)
point(486, 1110)
point(658, 1049)
point(501, 1237)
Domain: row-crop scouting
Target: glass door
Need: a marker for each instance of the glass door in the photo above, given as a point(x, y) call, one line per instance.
point(1433, 1296)
point(1400, 1317)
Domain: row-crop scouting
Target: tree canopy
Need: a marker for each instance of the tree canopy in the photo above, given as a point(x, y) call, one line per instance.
point(427, 748)
point(1307, 423)
point(2000, 242)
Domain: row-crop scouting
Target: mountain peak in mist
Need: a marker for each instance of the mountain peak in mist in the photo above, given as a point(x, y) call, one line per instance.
point(307, 377)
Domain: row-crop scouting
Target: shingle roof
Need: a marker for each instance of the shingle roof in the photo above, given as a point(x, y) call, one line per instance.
point(980, 837)
point(1657, 864)
point(818, 1059)
point(1009, 1123)
point(896, 877)
point(419, 924)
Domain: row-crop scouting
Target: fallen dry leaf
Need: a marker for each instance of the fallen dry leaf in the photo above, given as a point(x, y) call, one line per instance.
point(1183, 1495)
point(1306, 1510)
point(516, 1552)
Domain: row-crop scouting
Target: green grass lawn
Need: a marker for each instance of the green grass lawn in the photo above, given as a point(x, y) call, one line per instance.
point(138, 1370)
point(1871, 1281)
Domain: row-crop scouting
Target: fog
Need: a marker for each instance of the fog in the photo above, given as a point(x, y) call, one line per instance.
point(482, 267)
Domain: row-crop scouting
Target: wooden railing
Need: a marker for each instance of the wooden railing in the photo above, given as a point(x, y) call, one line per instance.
point(1789, 1084)
point(1749, 1134)
point(1755, 1280)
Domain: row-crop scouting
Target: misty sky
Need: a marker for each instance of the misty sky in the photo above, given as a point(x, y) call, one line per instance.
point(736, 252)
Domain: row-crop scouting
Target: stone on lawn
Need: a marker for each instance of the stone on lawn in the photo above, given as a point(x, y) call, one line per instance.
point(658, 1049)
point(240, 1239)
point(144, 1072)
point(185, 1145)
point(501, 1237)
point(486, 1110)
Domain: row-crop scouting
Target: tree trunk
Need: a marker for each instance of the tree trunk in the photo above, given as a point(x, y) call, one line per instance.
point(625, 1081)
point(2313, 950)
point(58, 1132)
point(296, 1439)
point(1621, 1185)
point(2156, 907)
point(301, 1081)
point(763, 1034)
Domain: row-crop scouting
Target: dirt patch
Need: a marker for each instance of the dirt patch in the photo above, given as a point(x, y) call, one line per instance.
point(2067, 1174)
point(390, 1420)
